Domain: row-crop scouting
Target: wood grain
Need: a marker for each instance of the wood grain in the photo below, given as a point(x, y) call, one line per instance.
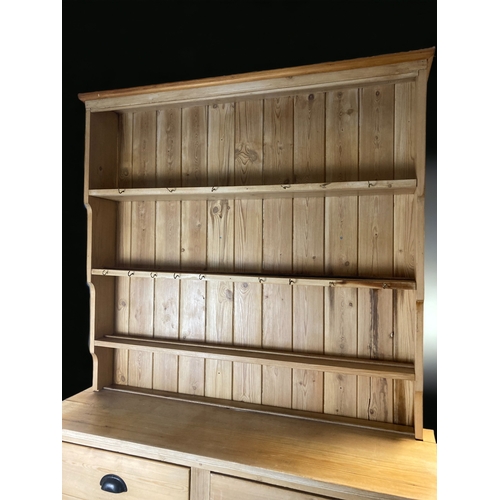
point(124, 228)
point(299, 360)
point(404, 246)
point(167, 245)
point(375, 250)
point(277, 248)
point(249, 117)
point(102, 299)
point(404, 350)
point(317, 457)
point(103, 160)
point(193, 246)
point(84, 467)
point(227, 488)
point(220, 247)
point(122, 302)
point(260, 242)
point(341, 245)
point(199, 488)
point(142, 248)
point(258, 192)
point(308, 246)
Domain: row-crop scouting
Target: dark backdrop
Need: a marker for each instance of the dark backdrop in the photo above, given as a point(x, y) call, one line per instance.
point(117, 44)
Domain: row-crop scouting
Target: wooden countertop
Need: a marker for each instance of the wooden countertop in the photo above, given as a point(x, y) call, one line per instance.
point(319, 457)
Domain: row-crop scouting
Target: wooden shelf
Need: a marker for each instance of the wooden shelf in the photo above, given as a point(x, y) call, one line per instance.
point(312, 190)
point(298, 360)
point(338, 282)
point(264, 409)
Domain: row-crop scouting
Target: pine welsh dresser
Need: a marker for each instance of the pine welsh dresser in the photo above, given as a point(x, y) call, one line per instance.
point(255, 266)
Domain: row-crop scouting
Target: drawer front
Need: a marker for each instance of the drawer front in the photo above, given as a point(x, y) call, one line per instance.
point(230, 488)
point(83, 469)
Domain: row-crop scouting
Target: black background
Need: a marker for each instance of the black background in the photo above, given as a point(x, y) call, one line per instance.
point(119, 44)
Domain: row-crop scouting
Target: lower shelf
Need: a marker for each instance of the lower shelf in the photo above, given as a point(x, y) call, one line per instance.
point(266, 409)
point(324, 363)
point(323, 459)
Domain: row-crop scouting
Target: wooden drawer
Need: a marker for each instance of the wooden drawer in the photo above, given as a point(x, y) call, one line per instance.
point(229, 488)
point(84, 467)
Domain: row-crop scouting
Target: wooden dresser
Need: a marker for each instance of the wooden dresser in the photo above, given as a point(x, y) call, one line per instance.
point(255, 265)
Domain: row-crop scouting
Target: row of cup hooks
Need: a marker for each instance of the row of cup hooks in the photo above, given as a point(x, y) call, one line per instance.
point(176, 276)
point(215, 188)
point(291, 281)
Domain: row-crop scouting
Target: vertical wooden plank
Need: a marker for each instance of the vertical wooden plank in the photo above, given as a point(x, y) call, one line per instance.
point(102, 299)
point(404, 168)
point(220, 247)
point(404, 346)
point(168, 223)
point(308, 337)
point(248, 142)
point(247, 378)
point(418, 403)
point(308, 237)
point(375, 336)
point(142, 248)
point(376, 162)
point(375, 248)
point(122, 303)
point(277, 248)
point(124, 227)
point(144, 150)
point(103, 233)
point(375, 236)
point(125, 136)
point(341, 246)
point(193, 246)
point(168, 148)
point(404, 246)
point(103, 150)
point(199, 487)
point(221, 145)
point(308, 246)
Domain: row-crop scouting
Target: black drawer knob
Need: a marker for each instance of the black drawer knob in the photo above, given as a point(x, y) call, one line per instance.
point(113, 484)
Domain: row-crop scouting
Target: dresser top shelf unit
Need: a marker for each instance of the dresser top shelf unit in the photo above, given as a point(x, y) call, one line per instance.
point(255, 265)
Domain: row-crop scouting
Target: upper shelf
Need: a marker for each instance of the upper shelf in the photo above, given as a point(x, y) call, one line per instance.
point(324, 281)
point(310, 190)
